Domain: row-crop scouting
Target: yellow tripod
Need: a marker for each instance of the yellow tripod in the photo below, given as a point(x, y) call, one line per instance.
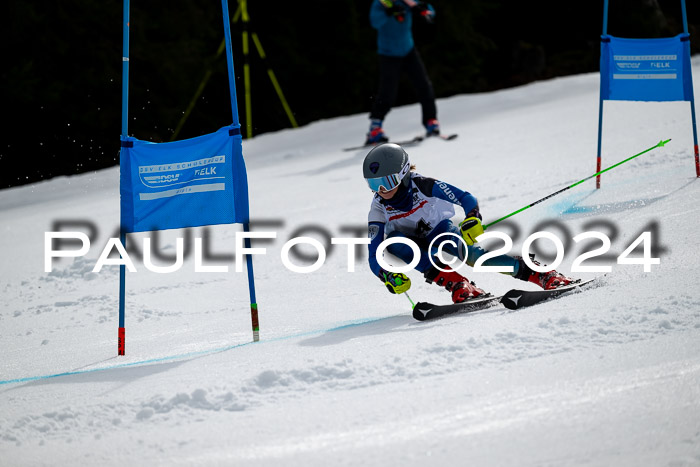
point(242, 15)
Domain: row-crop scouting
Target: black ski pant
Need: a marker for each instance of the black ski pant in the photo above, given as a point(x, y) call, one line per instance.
point(390, 69)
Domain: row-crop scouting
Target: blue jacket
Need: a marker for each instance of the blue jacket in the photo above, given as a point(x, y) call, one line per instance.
point(394, 38)
point(416, 201)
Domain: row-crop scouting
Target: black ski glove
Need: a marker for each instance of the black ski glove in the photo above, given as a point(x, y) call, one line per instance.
point(425, 10)
point(394, 9)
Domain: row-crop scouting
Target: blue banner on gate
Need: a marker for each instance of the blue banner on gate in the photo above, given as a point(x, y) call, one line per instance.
point(189, 183)
point(645, 69)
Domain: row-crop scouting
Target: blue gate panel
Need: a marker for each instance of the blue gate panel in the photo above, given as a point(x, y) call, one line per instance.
point(645, 69)
point(194, 182)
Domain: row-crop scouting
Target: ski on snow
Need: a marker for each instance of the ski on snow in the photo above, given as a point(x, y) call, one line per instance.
point(424, 311)
point(514, 299)
point(408, 142)
point(446, 137)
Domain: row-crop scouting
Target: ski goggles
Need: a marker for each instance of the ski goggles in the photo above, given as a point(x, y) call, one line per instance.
point(388, 182)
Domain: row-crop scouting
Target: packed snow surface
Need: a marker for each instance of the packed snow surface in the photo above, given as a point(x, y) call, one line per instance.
point(342, 374)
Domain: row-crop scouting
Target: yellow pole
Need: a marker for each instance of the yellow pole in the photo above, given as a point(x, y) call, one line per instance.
point(207, 75)
point(275, 84)
point(197, 94)
point(240, 14)
point(246, 70)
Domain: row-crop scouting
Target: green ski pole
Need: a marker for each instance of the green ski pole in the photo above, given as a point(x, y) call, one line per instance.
point(413, 305)
point(658, 145)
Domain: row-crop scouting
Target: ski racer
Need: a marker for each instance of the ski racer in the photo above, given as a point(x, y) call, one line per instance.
point(393, 20)
point(406, 204)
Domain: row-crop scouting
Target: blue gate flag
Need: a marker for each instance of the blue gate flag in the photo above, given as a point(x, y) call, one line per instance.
point(645, 69)
point(189, 183)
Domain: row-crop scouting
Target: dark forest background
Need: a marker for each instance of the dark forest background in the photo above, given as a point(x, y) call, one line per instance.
point(61, 73)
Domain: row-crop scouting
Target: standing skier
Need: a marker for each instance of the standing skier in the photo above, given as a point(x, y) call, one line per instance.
point(406, 204)
point(397, 53)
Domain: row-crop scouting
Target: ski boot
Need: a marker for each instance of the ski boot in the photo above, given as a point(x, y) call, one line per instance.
point(547, 280)
point(432, 127)
point(376, 133)
point(462, 290)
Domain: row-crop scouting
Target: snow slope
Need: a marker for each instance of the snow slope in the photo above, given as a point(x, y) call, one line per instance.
point(343, 375)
